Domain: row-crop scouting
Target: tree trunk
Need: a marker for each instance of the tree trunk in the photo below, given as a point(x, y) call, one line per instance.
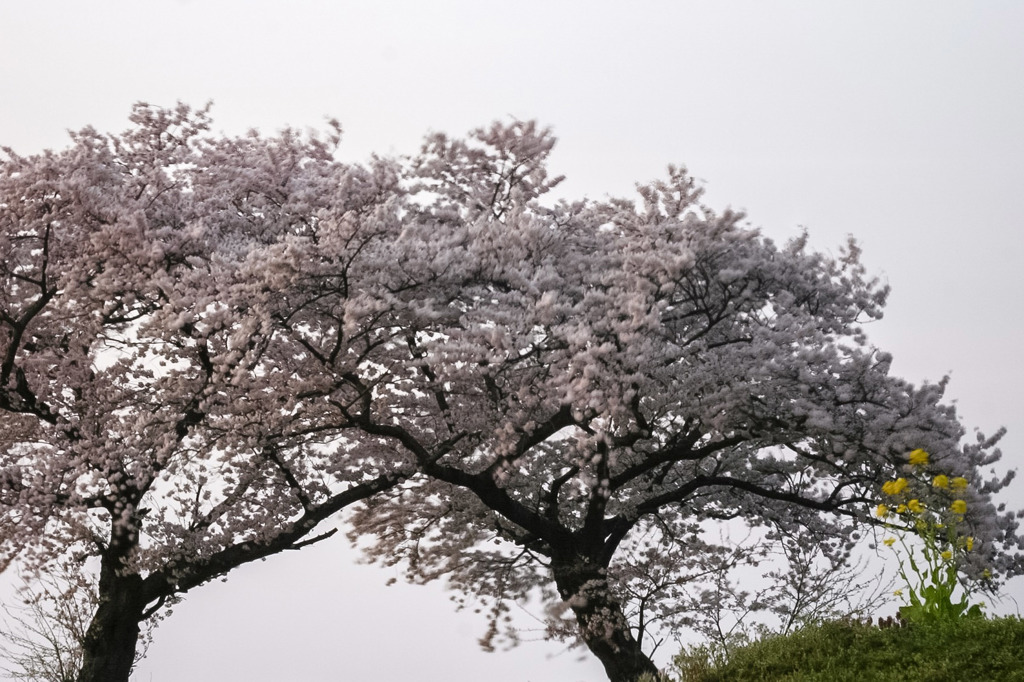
point(603, 625)
point(113, 635)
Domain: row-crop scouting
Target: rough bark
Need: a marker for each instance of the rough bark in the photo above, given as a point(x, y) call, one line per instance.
point(113, 634)
point(603, 626)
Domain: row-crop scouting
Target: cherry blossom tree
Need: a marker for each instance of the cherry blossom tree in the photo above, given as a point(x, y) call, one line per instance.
point(165, 393)
point(590, 388)
point(211, 345)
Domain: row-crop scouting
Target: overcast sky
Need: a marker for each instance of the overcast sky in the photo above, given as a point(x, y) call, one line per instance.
point(900, 123)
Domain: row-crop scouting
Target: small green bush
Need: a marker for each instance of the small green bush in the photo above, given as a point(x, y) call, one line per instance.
point(969, 649)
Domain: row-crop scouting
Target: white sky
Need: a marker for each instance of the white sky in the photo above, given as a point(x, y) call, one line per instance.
point(901, 123)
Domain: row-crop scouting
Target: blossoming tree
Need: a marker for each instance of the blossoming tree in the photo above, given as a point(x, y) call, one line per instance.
point(211, 344)
point(615, 378)
point(165, 413)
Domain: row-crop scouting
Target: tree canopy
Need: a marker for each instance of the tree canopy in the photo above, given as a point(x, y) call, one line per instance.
point(615, 377)
point(157, 413)
point(211, 344)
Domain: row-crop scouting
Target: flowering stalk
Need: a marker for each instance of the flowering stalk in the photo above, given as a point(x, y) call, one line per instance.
point(935, 513)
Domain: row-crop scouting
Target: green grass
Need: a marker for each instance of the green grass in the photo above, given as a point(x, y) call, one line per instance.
point(976, 650)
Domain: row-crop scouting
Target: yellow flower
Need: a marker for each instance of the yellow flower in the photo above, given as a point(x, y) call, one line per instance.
point(894, 487)
point(941, 481)
point(888, 542)
point(969, 543)
point(915, 506)
point(919, 457)
point(947, 555)
point(902, 509)
point(959, 483)
point(959, 507)
point(898, 593)
point(881, 511)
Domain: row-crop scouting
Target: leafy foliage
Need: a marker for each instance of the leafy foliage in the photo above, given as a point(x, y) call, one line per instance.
point(847, 651)
point(931, 508)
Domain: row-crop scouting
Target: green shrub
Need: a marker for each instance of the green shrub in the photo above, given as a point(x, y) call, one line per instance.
point(972, 649)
